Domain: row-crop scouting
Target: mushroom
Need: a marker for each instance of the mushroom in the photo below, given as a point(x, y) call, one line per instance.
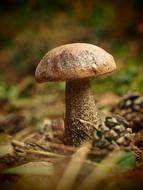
point(76, 63)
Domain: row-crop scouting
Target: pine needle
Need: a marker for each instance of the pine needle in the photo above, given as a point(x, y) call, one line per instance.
point(73, 168)
point(101, 171)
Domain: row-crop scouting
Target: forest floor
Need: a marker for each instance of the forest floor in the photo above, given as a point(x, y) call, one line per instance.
point(33, 155)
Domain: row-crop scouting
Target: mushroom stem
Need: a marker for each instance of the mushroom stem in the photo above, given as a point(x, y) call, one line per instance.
point(81, 113)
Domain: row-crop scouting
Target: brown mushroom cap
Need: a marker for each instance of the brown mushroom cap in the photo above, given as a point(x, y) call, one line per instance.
point(74, 61)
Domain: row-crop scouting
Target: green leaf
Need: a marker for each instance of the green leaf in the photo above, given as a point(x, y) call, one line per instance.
point(31, 168)
point(126, 161)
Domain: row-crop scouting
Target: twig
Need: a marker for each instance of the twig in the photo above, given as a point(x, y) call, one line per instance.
point(45, 147)
point(39, 152)
point(47, 153)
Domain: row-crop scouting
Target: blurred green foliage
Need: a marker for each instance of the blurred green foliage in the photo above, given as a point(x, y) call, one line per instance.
point(127, 161)
point(32, 27)
point(8, 91)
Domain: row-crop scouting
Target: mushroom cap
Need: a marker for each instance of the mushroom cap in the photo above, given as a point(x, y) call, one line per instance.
point(74, 61)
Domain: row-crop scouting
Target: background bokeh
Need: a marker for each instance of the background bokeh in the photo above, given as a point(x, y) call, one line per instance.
point(29, 28)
